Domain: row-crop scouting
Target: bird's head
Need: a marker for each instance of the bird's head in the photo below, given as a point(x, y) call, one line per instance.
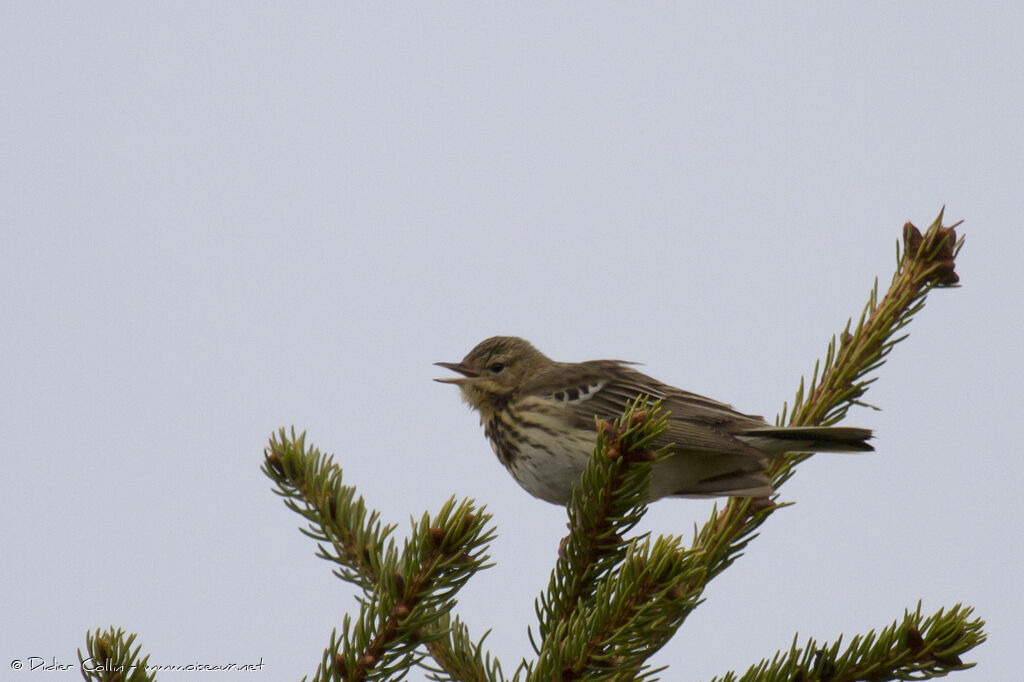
point(494, 371)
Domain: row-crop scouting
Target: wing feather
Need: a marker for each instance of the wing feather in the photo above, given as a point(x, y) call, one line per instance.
point(696, 424)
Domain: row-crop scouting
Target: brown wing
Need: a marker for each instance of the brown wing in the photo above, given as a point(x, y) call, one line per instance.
point(603, 388)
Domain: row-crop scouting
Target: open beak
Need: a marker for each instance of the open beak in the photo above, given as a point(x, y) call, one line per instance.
point(466, 373)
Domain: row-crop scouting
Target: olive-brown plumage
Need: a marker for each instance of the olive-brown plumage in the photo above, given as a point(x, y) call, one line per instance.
point(538, 415)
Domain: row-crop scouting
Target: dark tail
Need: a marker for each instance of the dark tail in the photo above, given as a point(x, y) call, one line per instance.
point(780, 439)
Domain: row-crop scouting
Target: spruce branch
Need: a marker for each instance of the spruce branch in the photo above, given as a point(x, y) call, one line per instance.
point(109, 657)
point(459, 657)
point(913, 648)
point(625, 598)
point(924, 263)
point(346, 532)
point(608, 503)
point(407, 594)
point(633, 613)
point(416, 587)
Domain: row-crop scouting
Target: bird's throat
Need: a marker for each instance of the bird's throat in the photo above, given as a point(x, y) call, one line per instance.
point(487, 403)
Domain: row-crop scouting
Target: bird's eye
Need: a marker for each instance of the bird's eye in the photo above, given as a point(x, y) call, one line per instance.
point(496, 367)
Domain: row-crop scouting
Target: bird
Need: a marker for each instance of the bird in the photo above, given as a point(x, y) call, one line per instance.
point(539, 416)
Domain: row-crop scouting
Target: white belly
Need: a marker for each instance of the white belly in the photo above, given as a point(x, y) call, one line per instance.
point(551, 475)
point(545, 465)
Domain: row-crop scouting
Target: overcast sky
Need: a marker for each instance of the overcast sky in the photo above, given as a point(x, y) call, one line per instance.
point(222, 218)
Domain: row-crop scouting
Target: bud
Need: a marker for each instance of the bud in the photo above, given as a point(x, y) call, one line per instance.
point(915, 642)
point(274, 462)
point(912, 240)
point(436, 536)
point(645, 455)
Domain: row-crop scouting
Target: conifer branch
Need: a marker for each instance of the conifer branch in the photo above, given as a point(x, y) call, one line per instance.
point(417, 586)
point(926, 262)
point(109, 657)
point(346, 532)
point(458, 657)
point(633, 613)
point(914, 648)
point(626, 598)
point(406, 595)
point(609, 502)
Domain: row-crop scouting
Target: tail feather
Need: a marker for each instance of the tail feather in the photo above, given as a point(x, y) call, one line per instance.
point(782, 439)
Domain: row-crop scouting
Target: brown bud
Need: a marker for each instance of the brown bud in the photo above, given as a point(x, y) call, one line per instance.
point(912, 240)
point(274, 462)
point(674, 592)
point(341, 666)
point(399, 583)
point(614, 449)
point(436, 536)
point(400, 611)
point(366, 660)
point(638, 418)
point(940, 268)
point(946, 236)
point(915, 642)
point(645, 455)
point(945, 275)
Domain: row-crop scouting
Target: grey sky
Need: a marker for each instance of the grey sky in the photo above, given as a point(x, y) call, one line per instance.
point(222, 218)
